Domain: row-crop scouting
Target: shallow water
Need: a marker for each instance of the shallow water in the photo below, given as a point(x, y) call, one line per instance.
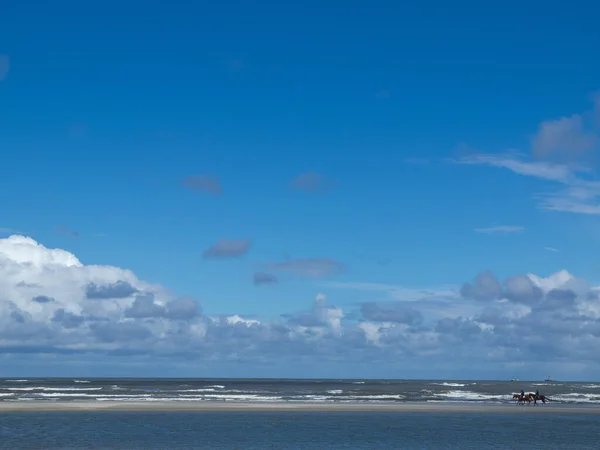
point(294, 430)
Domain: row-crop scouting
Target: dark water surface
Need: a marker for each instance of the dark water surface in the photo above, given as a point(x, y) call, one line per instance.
point(295, 430)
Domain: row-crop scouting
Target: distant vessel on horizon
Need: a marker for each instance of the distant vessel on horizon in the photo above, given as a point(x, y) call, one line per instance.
point(515, 379)
point(548, 378)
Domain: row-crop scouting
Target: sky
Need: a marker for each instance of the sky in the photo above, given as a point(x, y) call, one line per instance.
point(300, 189)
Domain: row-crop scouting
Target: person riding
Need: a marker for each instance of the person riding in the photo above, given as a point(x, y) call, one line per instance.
point(537, 393)
point(522, 393)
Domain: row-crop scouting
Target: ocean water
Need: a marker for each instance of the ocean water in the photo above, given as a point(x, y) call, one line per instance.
point(267, 390)
point(295, 430)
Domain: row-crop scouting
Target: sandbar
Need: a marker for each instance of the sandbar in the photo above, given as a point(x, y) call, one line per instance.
point(215, 406)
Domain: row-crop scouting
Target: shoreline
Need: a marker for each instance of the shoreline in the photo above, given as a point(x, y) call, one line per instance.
point(213, 406)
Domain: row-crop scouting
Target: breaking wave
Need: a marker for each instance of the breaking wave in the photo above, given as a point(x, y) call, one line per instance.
point(333, 391)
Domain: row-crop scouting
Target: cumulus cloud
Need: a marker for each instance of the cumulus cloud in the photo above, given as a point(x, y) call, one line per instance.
point(397, 312)
point(120, 289)
point(321, 319)
point(51, 303)
point(144, 306)
point(518, 288)
point(42, 299)
point(227, 248)
point(485, 288)
point(522, 289)
point(566, 137)
point(205, 183)
point(4, 66)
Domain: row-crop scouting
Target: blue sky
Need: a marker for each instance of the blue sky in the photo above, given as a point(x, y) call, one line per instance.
point(338, 148)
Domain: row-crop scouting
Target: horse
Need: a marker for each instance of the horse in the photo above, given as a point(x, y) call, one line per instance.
point(521, 399)
point(541, 397)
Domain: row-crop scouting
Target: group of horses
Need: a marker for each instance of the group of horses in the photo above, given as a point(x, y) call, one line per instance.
point(528, 398)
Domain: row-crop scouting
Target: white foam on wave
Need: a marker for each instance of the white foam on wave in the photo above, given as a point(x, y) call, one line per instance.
point(375, 397)
point(125, 396)
point(590, 386)
point(61, 394)
point(217, 386)
point(575, 397)
point(346, 398)
point(242, 397)
point(56, 389)
point(312, 398)
point(335, 391)
point(17, 381)
point(81, 381)
point(471, 396)
point(451, 384)
point(151, 398)
point(196, 390)
point(358, 382)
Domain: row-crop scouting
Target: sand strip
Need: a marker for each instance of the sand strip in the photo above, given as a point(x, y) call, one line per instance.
point(405, 407)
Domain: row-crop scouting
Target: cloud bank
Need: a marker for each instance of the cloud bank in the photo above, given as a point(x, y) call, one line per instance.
point(53, 304)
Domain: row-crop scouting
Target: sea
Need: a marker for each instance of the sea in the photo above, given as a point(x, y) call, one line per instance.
point(294, 429)
point(288, 390)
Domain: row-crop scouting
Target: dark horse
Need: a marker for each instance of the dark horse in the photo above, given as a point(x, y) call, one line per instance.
point(539, 397)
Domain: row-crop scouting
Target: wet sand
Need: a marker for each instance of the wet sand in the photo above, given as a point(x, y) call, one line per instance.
point(420, 407)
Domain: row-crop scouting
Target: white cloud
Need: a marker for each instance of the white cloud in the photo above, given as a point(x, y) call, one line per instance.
point(538, 169)
point(551, 249)
point(237, 319)
point(501, 229)
point(52, 303)
point(560, 151)
point(573, 193)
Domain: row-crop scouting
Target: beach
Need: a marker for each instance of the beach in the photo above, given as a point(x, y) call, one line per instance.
point(215, 406)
